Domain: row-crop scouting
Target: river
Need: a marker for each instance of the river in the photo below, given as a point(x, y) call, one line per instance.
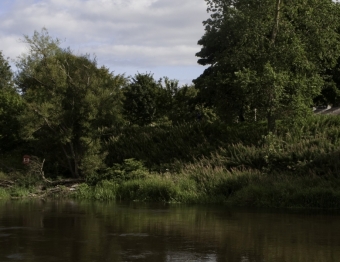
point(35, 230)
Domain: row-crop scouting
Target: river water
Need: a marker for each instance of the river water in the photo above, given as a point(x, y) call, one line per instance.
point(93, 231)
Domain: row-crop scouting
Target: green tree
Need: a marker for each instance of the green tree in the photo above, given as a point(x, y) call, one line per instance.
point(267, 55)
point(10, 108)
point(144, 98)
point(6, 75)
point(183, 105)
point(70, 104)
point(330, 94)
point(161, 102)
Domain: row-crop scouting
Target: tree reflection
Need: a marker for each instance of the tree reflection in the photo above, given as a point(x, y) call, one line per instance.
point(83, 231)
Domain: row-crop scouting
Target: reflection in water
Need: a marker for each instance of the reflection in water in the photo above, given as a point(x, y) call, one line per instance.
point(91, 231)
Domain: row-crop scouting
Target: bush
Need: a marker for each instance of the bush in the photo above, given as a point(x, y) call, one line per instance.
point(128, 170)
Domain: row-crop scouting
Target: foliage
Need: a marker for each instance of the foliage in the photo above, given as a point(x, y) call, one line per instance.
point(143, 100)
point(145, 140)
point(168, 148)
point(10, 108)
point(4, 194)
point(70, 105)
point(162, 102)
point(105, 190)
point(5, 73)
point(128, 170)
point(267, 55)
point(299, 168)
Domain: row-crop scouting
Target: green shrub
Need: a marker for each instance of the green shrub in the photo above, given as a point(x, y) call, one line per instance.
point(155, 189)
point(104, 190)
point(128, 170)
point(4, 193)
point(161, 147)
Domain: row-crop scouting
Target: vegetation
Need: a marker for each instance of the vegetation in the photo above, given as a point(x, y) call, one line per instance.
point(267, 55)
point(295, 169)
point(244, 134)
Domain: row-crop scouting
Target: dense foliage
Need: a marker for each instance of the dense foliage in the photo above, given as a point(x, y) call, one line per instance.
point(70, 104)
point(10, 108)
point(267, 55)
point(268, 62)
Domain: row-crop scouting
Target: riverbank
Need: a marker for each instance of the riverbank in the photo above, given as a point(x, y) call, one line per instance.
point(293, 168)
point(242, 189)
point(235, 189)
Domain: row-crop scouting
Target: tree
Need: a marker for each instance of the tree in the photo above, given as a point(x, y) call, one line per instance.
point(143, 100)
point(183, 106)
point(10, 108)
point(330, 94)
point(164, 102)
point(6, 74)
point(267, 55)
point(70, 104)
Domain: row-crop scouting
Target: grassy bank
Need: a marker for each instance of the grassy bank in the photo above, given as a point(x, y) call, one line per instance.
point(297, 168)
point(292, 168)
point(241, 188)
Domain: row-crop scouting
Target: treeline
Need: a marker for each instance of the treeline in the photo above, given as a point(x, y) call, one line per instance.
point(268, 63)
point(272, 57)
point(80, 117)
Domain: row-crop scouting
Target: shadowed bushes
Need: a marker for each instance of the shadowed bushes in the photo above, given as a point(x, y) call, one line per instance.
point(238, 165)
point(161, 148)
point(295, 168)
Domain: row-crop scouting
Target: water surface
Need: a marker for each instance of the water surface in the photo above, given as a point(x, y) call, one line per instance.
point(92, 231)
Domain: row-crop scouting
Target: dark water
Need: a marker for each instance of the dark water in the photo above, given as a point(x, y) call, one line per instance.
point(71, 231)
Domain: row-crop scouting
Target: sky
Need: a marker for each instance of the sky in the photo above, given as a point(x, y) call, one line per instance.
point(127, 36)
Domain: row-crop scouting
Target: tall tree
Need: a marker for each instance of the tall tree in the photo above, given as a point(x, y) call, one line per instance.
point(70, 104)
point(143, 100)
point(267, 55)
point(161, 102)
point(10, 108)
point(330, 94)
point(6, 74)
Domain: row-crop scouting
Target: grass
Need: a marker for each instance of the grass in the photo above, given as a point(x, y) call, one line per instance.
point(20, 192)
point(291, 168)
point(240, 166)
point(240, 188)
point(4, 194)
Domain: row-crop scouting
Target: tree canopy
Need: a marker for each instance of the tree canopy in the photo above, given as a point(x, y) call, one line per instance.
point(70, 103)
point(267, 55)
point(10, 107)
point(266, 60)
point(143, 99)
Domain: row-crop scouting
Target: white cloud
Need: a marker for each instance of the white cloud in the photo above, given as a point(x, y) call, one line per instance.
point(124, 34)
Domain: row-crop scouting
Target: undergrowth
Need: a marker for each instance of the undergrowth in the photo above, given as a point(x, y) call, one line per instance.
point(241, 165)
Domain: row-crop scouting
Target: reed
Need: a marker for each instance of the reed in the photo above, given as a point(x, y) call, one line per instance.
point(4, 194)
point(105, 190)
point(19, 192)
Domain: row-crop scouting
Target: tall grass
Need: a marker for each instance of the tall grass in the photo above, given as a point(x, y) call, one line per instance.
point(213, 163)
point(4, 194)
point(240, 165)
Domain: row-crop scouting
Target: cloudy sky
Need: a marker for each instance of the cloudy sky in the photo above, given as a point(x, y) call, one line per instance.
point(128, 36)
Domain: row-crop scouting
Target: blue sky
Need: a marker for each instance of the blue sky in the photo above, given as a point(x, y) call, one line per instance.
point(5, 6)
point(128, 36)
